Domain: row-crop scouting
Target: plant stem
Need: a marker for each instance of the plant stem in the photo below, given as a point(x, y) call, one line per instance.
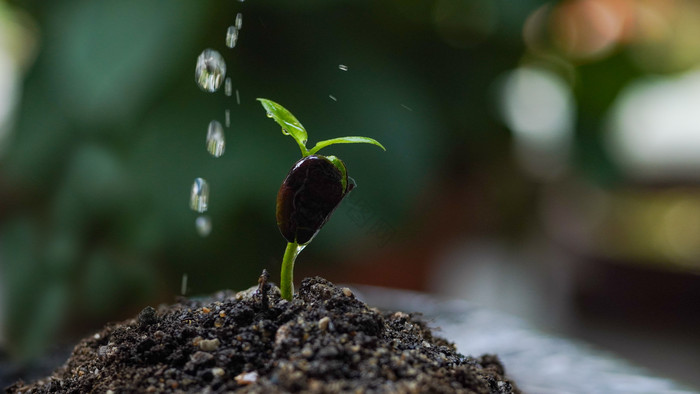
point(304, 151)
point(287, 275)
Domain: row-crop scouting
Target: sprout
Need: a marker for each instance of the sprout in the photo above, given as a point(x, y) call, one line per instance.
point(310, 193)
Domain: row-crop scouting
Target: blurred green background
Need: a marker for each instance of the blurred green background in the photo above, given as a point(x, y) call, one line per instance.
point(562, 135)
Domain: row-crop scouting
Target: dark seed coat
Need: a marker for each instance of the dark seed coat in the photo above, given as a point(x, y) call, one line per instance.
point(307, 198)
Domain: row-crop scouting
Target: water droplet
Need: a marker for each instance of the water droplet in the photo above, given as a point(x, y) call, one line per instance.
point(227, 117)
point(231, 36)
point(351, 183)
point(199, 198)
point(239, 21)
point(215, 139)
point(210, 70)
point(238, 98)
point(228, 87)
point(285, 131)
point(269, 115)
point(332, 97)
point(183, 285)
point(203, 224)
point(407, 108)
point(343, 67)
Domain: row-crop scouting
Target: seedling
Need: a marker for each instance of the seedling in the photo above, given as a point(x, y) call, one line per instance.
point(312, 190)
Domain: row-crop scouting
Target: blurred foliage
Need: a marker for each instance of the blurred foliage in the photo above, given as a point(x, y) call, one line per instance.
point(110, 133)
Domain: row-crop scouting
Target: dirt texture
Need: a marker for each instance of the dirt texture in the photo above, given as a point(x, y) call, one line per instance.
point(324, 341)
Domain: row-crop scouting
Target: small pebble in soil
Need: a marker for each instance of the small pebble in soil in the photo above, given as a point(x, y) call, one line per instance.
point(247, 378)
point(209, 345)
point(401, 315)
point(307, 352)
point(323, 323)
point(347, 292)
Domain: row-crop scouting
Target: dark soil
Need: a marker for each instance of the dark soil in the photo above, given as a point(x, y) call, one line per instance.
point(324, 341)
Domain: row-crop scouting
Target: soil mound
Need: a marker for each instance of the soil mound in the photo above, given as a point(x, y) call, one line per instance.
point(324, 341)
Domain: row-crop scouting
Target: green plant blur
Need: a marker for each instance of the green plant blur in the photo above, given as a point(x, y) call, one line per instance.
point(109, 131)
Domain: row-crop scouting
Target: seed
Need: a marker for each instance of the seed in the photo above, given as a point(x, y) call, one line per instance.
point(308, 196)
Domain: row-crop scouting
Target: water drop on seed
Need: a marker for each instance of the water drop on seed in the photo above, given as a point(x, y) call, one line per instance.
point(199, 197)
point(203, 224)
point(210, 70)
point(231, 36)
point(215, 139)
point(239, 21)
point(228, 87)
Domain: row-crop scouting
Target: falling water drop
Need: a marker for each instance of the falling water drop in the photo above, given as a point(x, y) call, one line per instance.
point(210, 70)
point(238, 98)
point(332, 97)
point(227, 118)
point(231, 36)
point(203, 224)
point(228, 86)
point(199, 198)
point(239, 21)
point(215, 139)
point(183, 285)
point(343, 67)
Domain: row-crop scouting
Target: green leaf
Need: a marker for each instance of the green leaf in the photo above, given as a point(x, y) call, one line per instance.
point(345, 140)
point(343, 171)
point(290, 124)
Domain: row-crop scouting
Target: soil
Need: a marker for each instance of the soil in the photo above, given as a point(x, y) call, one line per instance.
point(324, 341)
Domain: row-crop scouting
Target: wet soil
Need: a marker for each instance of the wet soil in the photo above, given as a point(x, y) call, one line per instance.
point(324, 341)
